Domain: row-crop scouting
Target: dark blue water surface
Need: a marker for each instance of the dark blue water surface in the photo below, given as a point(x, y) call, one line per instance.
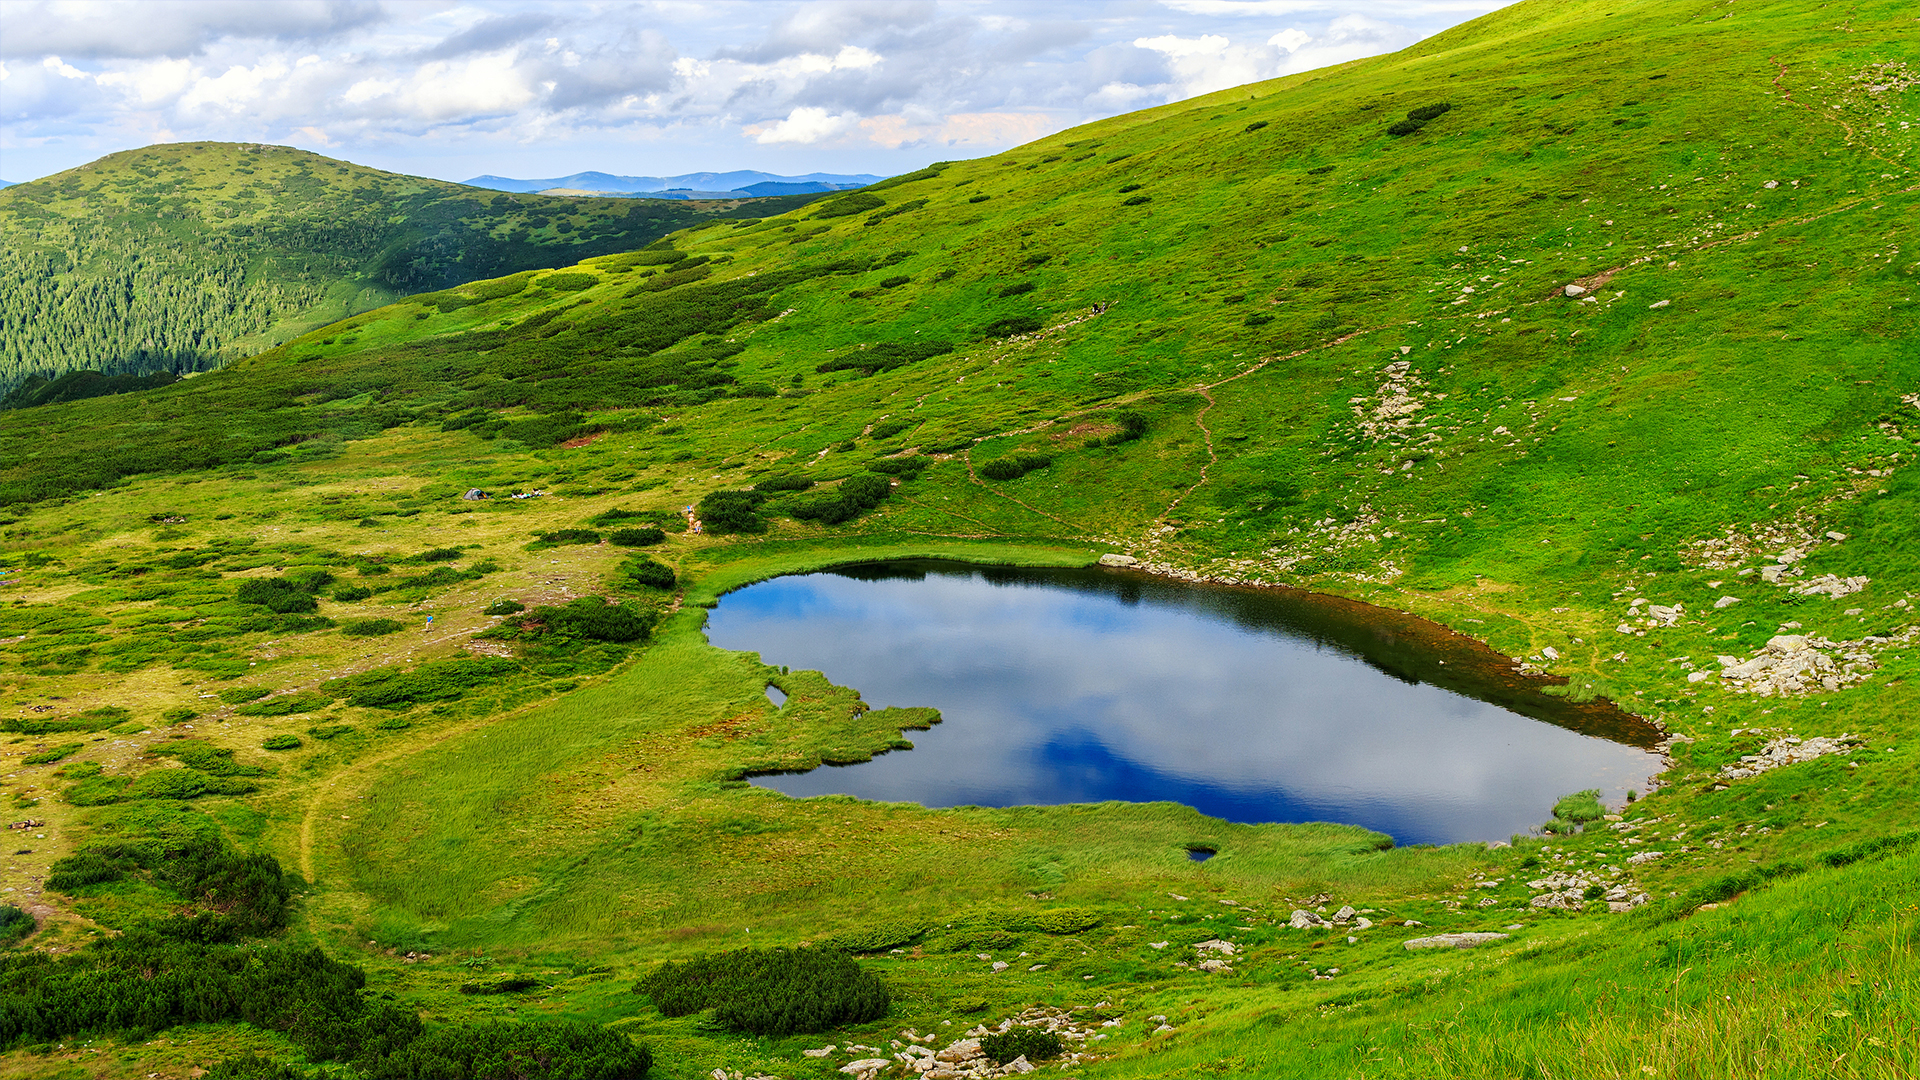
point(1253, 705)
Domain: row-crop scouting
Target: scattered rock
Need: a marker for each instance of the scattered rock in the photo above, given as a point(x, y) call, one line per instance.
point(1831, 585)
point(823, 1052)
point(1726, 602)
point(1575, 290)
point(865, 1067)
point(1456, 941)
point(1118, 560)
point(1659, 303)
point(1550, 652)
point(1306, 920)
point(1788, 750)
point(1216, 945)
point(1000, 966)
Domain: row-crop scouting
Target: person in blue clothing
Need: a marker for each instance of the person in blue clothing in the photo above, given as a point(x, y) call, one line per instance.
point(429, 622)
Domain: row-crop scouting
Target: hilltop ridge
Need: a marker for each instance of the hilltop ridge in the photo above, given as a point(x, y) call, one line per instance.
point(179, 257)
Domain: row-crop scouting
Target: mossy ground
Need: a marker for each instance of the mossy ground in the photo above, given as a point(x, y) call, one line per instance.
point(584, 818)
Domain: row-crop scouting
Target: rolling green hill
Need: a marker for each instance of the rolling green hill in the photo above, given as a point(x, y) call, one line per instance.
point(1630, 326)
point(180, 257)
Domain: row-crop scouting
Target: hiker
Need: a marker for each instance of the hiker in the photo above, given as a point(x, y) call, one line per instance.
point(429, 624)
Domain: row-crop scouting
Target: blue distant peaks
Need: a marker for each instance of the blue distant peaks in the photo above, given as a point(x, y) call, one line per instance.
point(739, 184)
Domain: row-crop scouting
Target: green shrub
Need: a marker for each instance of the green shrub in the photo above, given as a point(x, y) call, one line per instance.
point(288, 704)
point(846, 205)
point(1129, 187)
point(253, 1067)
point(874, 938)
point(756, 390)
point(329, 731)
point(731, 512)
point(445, 554)
point(435, 680)
point(566, 282)
point(504, 607)
point(771, 992)
point(784, 483)
point(508, 1050)
point(49, 756)
point(885, 356)
point(1256, 125)
point(1417, 119)
point(887, 429)
point(1016, 324)
point(1070, 920)
point(895, 281)
point(282, 742)
point(617, 514)
point(278, 595)
point(1258, 318)
point(1028, 1042)
point(1002, 469)
point(226, 894)
point(635, 537)
point(240, 695)
point(14, 924)
point(178, 715)
point(1017, 290)
point(593, 618)
point(371, 627)
point(1132, 426)
point(1138, 200)
point(348, 594)
point(902, 466)
point(646, 573)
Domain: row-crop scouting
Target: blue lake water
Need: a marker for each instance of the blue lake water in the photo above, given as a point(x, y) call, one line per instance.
point(1253, 705)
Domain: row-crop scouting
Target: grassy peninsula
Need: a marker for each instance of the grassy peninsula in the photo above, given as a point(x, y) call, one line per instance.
point(1612, 363)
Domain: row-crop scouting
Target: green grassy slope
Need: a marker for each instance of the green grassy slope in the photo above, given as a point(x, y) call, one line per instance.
point(1349, 360)
point(177, 257)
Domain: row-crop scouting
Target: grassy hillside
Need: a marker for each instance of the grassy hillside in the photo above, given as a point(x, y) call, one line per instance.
point(1627, 329)
point(178, 257)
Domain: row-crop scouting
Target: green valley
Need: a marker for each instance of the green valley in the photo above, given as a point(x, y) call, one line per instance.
point(1612, 363)
point(177, 258)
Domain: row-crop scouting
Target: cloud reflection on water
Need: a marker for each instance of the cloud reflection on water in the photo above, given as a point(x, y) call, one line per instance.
point(1055, 695)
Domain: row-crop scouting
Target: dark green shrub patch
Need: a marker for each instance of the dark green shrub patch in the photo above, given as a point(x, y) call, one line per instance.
point(278, 595)
point(636, 537)
point(646, 573)
point(240, 695)
point(847, 205)
point(900, 466)
point(1017, 324)
point(1138, 200)
point(895, 281)
point(887, 429)
point(1258, 318)
point(288, 704)
point(504, 607)
point(854, 496)
point(445, 554)
point(206, 757)
point(1014, 466)
point(566, 282)
point(1132, 426)
point(281, 742)
point(772, 992)
point(593, 618)
point(371, 627)
point(227, 894)
point(14, 924)
point(349, 594)
point(505, 1050)
point(1018, 289)
point(617, 514)
point(53, 754)
point(774, 484)
point(874, 938)
point(885, 356)
point(1417, 119)
point(731, 512)
point(329, 731)
point(1030, 1043)
point(436, 680)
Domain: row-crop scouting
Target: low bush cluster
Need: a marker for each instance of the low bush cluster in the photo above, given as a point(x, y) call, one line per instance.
point(278, 595)
point(435, 680)
point(281, 742)
point(288, 704)
point(732, 512)
point(506, 1050)
point(854, 496)
point(562, 537)
point(1014, 466)
point(636, 537)
point(591, 617)
point(504, 607)
point(771, 992)
point(1132, 426)
point(1015, 324)
point(885, 356)
point(371, 627)
point(874, 937)
point(643, 572)
point(14, 924)
point(1417, 119)
point(1028, 1042)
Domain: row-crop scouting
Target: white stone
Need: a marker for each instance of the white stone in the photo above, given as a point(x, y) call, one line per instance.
point(1575, 290)
point(1659, 303)
point(1726, 602)
point(1000, 965)
point(865, 1065)
point(1118, 560)
point(1550, 653)
point(823, 1052)
point(1456, 941)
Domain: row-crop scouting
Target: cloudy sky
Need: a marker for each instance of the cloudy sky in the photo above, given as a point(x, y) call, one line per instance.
point(455, 88)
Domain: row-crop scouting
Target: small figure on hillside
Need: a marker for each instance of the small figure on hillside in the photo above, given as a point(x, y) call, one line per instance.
point(429, 623)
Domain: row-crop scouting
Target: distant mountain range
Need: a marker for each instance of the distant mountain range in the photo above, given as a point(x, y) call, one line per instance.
point(739, 184)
